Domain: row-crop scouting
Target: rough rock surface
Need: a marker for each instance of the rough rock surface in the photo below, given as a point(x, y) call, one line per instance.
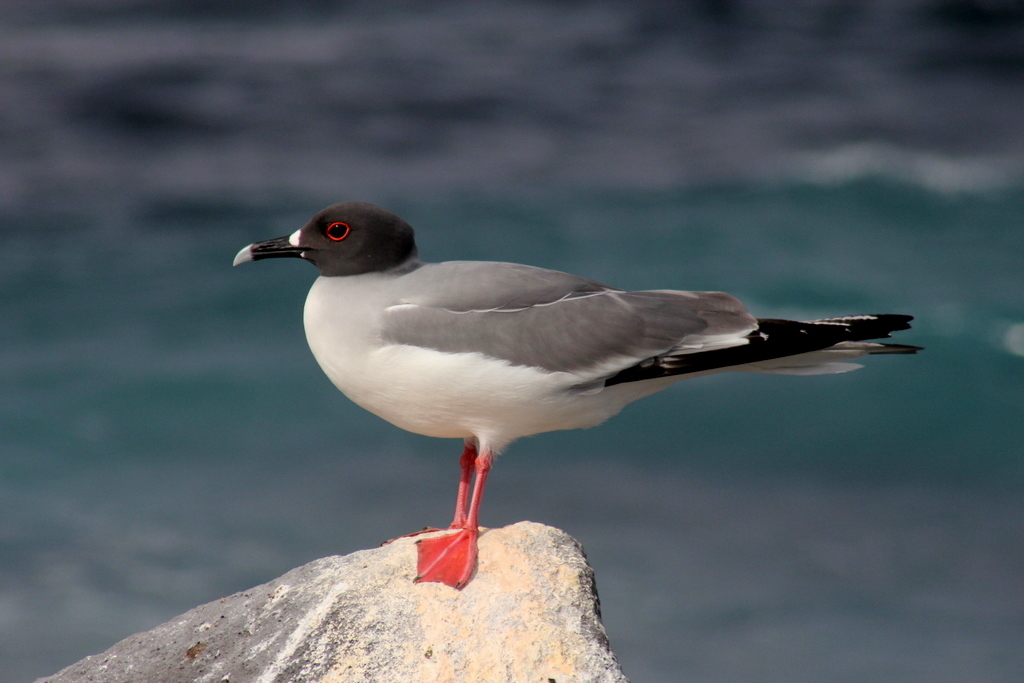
point(530, 614)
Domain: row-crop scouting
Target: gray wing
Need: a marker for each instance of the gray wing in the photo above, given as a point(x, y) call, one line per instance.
point(556, 321)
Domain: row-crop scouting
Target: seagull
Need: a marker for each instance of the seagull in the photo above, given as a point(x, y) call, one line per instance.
point(490, 352)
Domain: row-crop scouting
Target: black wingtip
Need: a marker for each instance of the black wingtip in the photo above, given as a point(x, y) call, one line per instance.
point(863, 327)
point(897, 321)
point(776, 338)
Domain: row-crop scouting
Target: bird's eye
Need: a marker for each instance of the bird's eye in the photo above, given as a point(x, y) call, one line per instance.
point(336, 232)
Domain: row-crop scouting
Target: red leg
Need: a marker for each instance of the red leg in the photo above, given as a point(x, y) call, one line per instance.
point(451, 559)
point(483, 468)
point(467, 461)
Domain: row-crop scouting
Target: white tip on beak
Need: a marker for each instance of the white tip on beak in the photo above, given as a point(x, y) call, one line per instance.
point(244, 256)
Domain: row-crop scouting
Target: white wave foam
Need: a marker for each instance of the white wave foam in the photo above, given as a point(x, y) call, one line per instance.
point(933, 171)
point(1013, 339)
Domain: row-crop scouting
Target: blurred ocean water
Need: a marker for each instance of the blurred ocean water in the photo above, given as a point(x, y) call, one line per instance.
point(166, 437)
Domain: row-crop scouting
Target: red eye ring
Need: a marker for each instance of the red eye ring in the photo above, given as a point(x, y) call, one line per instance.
point(336, 232)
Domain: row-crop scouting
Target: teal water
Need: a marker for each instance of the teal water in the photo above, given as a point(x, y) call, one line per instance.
point(129, 325)
point(168, 438)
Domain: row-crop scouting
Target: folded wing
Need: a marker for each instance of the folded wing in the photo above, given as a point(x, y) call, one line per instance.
point(559, 322)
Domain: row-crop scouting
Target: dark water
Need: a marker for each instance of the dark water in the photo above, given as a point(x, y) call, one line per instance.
point(166, 437)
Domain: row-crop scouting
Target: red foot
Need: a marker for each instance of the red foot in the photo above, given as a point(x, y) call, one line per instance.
point(448, 559)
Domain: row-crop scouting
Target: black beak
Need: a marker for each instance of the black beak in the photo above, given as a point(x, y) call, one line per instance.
point(269, 249)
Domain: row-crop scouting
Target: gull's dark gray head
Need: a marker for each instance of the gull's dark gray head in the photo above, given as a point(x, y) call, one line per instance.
point(350, 238)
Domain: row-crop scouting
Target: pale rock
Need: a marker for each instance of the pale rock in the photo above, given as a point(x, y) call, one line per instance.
point(530, 614)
